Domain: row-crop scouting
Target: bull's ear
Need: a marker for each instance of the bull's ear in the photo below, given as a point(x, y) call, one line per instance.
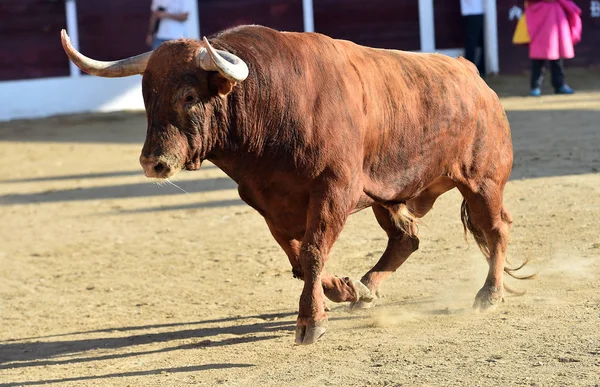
point(220, 85)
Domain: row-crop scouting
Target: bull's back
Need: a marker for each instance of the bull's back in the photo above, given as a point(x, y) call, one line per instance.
point(428, 115)
point(402, 118)
point(418, 115)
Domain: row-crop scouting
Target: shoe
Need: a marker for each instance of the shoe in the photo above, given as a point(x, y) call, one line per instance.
point(564, 89)
point(535, 92)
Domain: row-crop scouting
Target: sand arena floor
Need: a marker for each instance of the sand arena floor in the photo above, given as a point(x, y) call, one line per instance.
point(108, 279)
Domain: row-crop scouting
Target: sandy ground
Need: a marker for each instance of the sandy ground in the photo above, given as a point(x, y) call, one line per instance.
point(108, 279)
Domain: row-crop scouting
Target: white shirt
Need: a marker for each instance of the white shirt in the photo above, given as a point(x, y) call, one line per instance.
point(169, 28)
point(471, 7)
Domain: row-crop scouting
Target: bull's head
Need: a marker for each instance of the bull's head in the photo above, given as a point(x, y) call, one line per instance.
point(184, 84)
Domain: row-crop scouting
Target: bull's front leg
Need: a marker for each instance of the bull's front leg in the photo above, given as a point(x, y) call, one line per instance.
point(337, 289)
point(327, 214)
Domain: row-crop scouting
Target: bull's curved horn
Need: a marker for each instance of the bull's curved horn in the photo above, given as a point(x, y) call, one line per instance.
point(227, 64)
point(119, 68)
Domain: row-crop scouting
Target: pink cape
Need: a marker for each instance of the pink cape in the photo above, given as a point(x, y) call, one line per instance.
point(554, 27)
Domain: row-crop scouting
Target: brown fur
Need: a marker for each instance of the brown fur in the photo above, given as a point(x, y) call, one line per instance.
point(323, 128)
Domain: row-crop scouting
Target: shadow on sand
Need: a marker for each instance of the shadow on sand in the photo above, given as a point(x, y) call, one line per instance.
point(38, 352)
point(119, 191)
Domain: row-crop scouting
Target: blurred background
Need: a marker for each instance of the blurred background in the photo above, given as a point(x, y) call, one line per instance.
point(32, 61)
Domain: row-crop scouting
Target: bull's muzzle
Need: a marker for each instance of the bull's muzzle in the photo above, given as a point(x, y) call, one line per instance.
point(156, 167)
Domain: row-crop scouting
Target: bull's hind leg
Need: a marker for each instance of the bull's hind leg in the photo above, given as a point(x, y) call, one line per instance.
point(398, 222)
point(402, 242)
point(485, 216)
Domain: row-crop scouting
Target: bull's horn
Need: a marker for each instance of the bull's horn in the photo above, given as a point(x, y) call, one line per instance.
point(227, 64)
point(119, 68)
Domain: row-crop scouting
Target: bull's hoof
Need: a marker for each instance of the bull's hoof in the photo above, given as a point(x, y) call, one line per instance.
point(365, 299)
point(310, 334)
point(488, 299)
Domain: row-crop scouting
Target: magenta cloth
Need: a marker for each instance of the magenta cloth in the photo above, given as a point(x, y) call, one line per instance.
point(554, 27)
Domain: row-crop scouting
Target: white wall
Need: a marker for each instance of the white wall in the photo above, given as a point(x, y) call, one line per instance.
point(45, 97)
point(192, 25)
point(308, 16)
point(492, 58)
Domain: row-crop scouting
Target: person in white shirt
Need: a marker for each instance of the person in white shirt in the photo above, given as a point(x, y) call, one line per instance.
point(472, 11)
point(167, 21)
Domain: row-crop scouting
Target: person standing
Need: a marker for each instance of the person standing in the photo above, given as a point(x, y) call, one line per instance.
point(554, 27)
point(472, 11)
point(167, 21)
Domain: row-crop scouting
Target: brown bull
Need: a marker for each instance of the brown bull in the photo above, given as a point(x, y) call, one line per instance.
point(313, 129)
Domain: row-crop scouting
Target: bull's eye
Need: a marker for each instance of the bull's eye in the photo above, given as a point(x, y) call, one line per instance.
point(189, 98)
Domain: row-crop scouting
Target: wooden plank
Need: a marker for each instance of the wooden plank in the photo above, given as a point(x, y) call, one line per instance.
point(587, 53)
point(218, 15)
point(113, 29)
point(449, 25)
point(375, 23)
point(30, 36)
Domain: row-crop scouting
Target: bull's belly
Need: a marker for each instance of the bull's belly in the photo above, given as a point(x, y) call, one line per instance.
point(393, 190)
point(286, 209)
point(401, 191)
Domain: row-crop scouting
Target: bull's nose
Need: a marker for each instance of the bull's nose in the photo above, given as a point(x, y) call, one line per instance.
point(154, 167)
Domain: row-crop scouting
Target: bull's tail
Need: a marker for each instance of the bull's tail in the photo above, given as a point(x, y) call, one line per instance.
point(477, 233)
point(479, 237)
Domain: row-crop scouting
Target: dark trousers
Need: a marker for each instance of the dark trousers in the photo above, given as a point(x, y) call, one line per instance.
point(538, 68)
point(474, 24)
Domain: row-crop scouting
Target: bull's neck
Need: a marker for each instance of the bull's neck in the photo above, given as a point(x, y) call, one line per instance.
point(244, 136)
